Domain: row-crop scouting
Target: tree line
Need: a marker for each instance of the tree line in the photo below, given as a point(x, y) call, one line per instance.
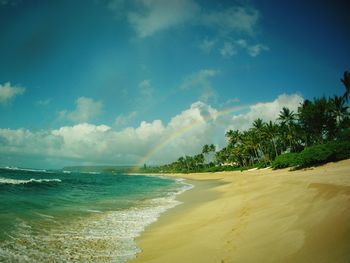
point(320, 127)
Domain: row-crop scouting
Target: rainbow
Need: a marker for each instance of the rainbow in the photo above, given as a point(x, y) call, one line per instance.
point(165, 141)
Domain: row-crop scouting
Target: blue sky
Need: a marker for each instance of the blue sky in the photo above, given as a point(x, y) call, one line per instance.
point(83, 78)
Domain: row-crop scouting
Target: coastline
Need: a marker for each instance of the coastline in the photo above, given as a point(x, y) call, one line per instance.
point(256, 216)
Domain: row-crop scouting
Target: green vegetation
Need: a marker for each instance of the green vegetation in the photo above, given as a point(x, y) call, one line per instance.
point(286, 160)
point(314, 155)
point(317, 133)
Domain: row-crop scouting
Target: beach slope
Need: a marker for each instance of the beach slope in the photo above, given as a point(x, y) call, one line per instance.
point(256, 216)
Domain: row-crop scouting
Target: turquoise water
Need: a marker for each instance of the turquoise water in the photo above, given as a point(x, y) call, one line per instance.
point(78, 217)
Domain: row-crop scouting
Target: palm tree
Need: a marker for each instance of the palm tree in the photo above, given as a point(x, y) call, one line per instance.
point(258, 124)
point(233, 136)
point(339, 110)
point(286, 116)
point(346, 82)
point(221, 156)
point(315, 117)
point(248, 146)
point(259, 128)
point(287, 119)
point(199, 160)
point(271, 132)
point(189, 163)
point(212, 148)
point(205, 149)
point(181, 159)
point(182, 163)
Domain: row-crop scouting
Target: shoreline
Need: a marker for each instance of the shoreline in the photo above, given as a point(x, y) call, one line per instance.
point(255, 216)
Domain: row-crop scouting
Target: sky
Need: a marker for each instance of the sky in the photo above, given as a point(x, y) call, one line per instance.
point(126, 82)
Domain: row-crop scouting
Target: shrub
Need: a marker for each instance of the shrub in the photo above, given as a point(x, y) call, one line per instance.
point(317, 154)
point(322, 153)
point(341, 150)
point(221, 168)
point(314, 155)
point(286, 160)
point(262, 164)
point(344, 135)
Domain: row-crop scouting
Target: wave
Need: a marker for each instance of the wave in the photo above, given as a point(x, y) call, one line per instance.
point(30, 181)
point(101, 237)
point(24, 169)
point(83, 172)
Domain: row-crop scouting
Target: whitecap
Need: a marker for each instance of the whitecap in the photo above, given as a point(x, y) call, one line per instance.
point(24, 169)
point(19, 181)
point(100, 237)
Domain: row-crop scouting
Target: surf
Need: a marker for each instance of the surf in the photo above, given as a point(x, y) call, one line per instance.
point(10, 181)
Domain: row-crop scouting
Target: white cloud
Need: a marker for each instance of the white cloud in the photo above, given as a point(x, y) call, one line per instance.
point(184, 134)
point(230, 102)
point(199, 112)
point(201, 81)
point(159, 15)
point(228, 50)
point(256, 49)
point(266, 111)
point(8, 92)
point(83, 141)
point(207, 45)
point(148, 17)
point(146, 89)
point(233, 22)
point(234, 19)
point(44, 102)
point(231, 48)
point(199, 78)
point(124, 119)
point(153, 16)
point(25, 142)
point(86, 110)
point(241, 43)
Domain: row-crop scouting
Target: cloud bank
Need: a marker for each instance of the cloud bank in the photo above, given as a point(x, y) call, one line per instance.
point(185, 133)
point(268, 111)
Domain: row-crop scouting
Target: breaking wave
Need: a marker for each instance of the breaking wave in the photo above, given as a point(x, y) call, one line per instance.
point(30, 181)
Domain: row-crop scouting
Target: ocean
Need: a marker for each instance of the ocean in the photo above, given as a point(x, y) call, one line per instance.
point(53, 216)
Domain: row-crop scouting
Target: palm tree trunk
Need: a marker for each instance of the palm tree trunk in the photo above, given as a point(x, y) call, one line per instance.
point(256, 154)
point(274, 146)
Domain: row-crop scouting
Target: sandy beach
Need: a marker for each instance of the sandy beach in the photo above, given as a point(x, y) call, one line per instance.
point(256, 216)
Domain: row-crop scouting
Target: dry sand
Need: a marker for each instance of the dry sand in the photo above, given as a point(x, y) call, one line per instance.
point(256, 216)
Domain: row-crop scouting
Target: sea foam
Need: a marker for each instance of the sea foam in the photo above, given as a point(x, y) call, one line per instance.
point(24, 169)
point(101, 237)
point(30, 181)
